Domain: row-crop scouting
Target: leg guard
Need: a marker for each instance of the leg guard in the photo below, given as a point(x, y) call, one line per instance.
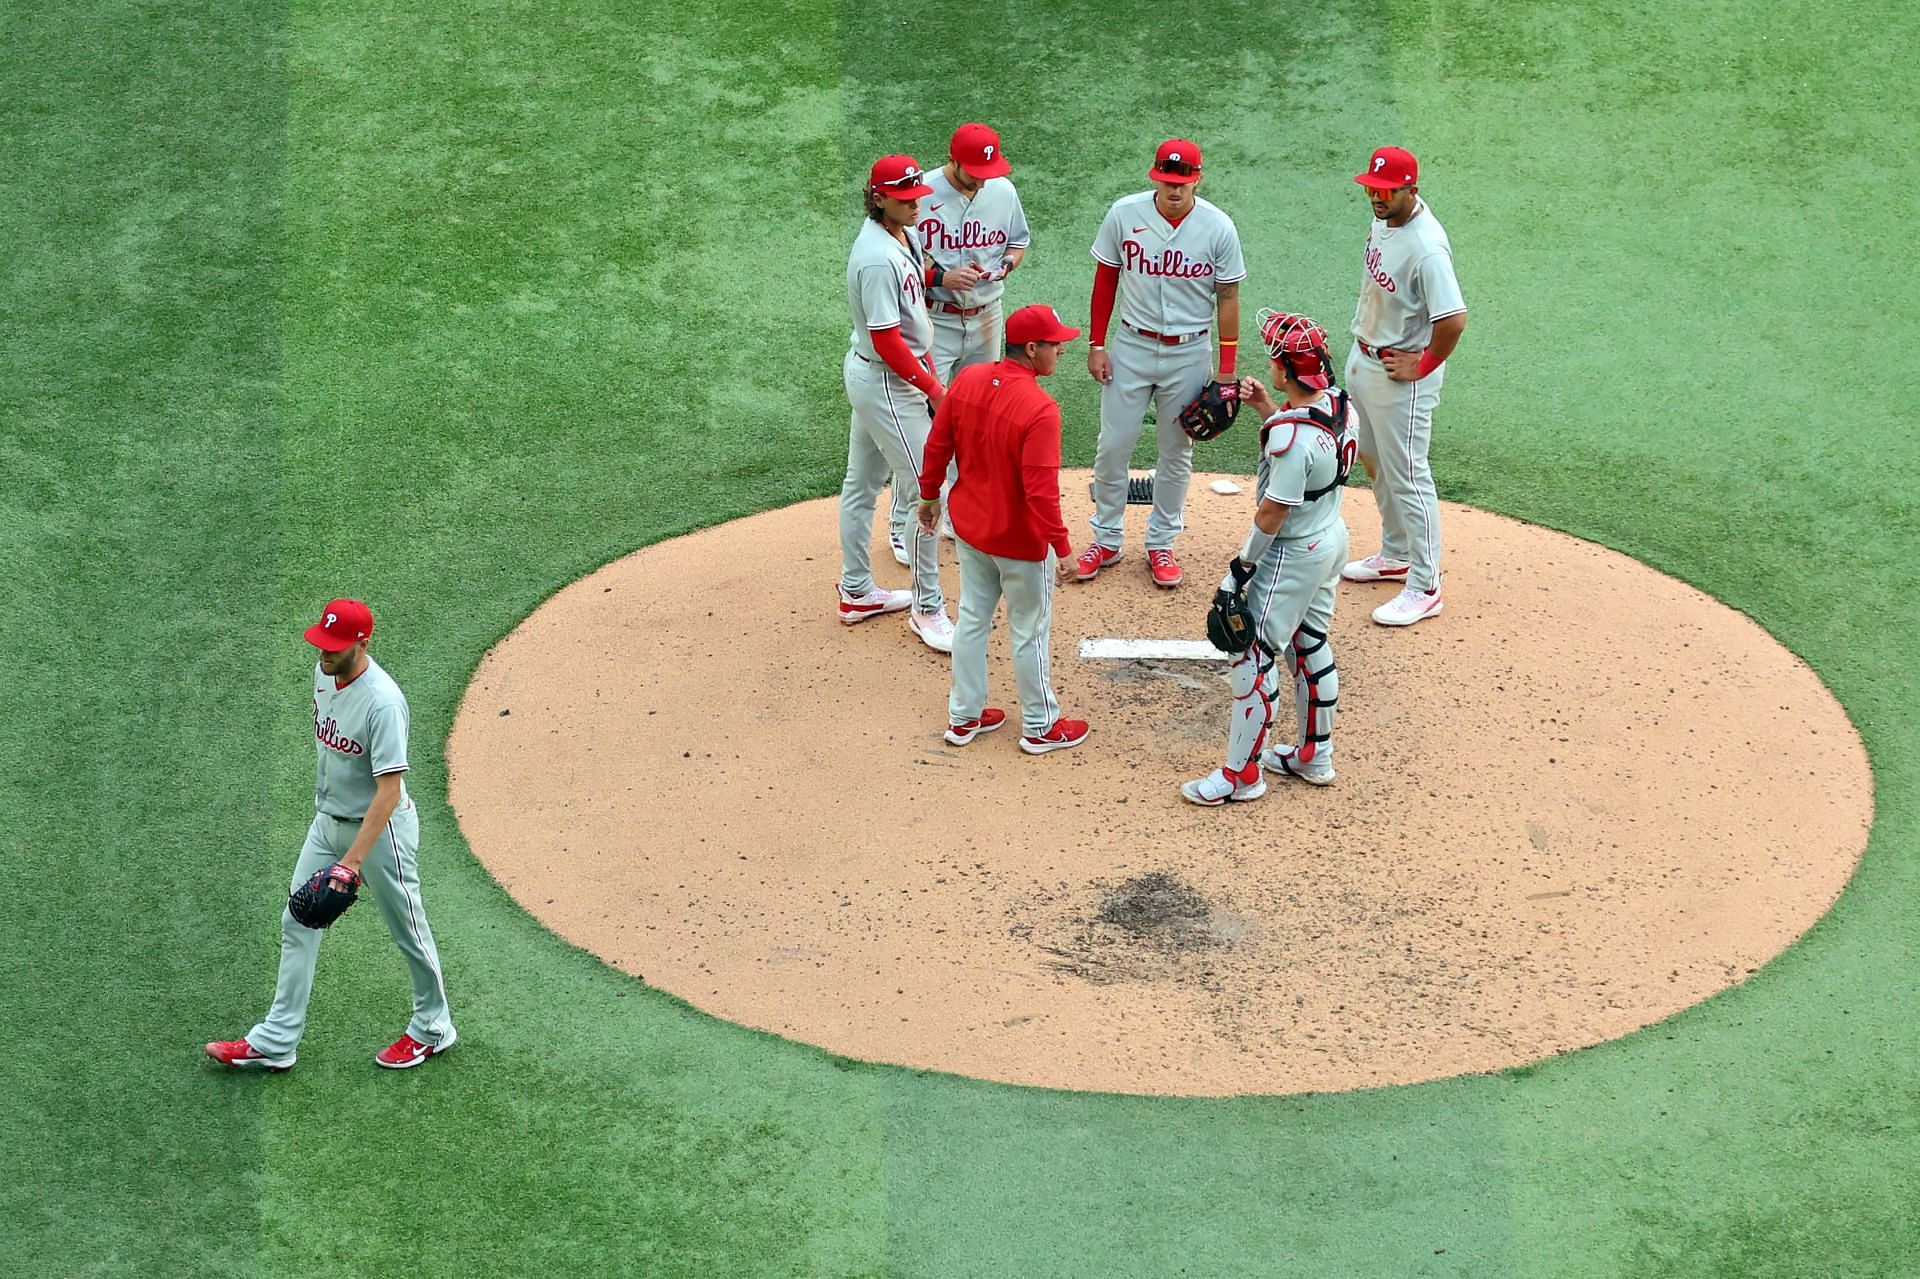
point(1316, 692)
point(1253, 690)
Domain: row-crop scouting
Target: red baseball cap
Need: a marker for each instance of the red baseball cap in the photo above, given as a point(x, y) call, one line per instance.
point(1178, 160)
point(343, 624)
point(1390, 169)
point(976, 148)
point(1038, 323)
point(898, 176)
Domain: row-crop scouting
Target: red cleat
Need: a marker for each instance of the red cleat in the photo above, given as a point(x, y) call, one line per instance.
point(242, 1055)
point(1165, 569)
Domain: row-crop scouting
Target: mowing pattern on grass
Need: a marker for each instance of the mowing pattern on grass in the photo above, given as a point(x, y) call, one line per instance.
point(535, 312)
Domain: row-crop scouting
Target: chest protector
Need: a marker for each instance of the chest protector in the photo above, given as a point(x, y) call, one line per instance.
point(1337, 424)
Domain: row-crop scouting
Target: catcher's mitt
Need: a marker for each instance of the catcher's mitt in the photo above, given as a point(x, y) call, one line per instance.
point(1212, 412)
point(1230, 620)
point(324, 897)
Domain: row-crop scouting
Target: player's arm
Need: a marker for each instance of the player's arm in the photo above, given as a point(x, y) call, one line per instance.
point(386, 798)
point(898, 356)
point(1012, 260)
point(1446, 336)
point(1106, 286)
point(1226, 307)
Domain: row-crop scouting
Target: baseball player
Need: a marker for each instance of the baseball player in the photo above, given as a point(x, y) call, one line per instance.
point(891, 386)
point(1409, 319)
point(1004, 433)
point(973, 233)
point(1295, 548)
point(365, 821)
point(1174, 261)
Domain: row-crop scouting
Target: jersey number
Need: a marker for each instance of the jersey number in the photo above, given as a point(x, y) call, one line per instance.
point(1349, 449)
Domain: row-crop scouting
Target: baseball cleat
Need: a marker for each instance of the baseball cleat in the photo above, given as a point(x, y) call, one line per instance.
point(1376, 568)
point(407, 1052)
point(1064, 733)
point(1216, 788)
point(243, 1055)
point(1408, 607)
point(1282, 760)
point(1165, 569)
point(1087, 565)
point(935, 629)
point(990, 718)
point(899, 543)
point(872, 603)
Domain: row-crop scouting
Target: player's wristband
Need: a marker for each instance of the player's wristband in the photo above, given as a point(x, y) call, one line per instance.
point(1229, 351)
point(1096, 346)
point(1255, 548)
point(935, 274)
point(1427, 364)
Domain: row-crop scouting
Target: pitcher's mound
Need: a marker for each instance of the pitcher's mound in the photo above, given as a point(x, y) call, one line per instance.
point(1582, 799)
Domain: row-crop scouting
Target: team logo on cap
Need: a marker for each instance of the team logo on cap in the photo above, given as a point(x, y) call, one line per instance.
point(1379, 163)
point(987, 150)
point(1174, 156)
point(331, 619)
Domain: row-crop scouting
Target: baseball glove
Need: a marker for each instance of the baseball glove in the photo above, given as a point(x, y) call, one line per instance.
point(1230, 620)
point(324, 897)
point(1212, 412)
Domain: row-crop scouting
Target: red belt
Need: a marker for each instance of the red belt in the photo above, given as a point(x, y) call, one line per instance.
point(1371, 352)
point(963, 311)
point(1165, 339)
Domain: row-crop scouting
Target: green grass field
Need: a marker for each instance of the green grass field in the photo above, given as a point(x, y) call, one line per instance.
point(443, 306)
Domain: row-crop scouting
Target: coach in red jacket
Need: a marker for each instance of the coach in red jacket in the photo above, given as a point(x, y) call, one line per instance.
point(1003, 432)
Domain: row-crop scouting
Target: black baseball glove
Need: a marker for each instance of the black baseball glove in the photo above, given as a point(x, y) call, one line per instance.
point(324, 897)
point(1212, 412)
point(1230, 619)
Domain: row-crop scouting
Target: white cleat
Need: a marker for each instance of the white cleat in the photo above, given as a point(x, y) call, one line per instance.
point(1376, 568)
point(1282, 760)
point(1216, 788)
point(1408, 607)
point(858, 608)
point(935, 629)
point(899, 544)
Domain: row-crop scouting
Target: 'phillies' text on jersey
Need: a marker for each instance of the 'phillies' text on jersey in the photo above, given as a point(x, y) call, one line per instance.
point(972, 234)
point(327, 733)
point(1380, 277)
point(1170, 262)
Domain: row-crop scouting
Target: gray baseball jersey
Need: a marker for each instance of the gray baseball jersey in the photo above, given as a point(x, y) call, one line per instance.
point(360, 733)
point(956, 230)
point(886, 287)
point(1410, 283)
point(1168, 272)
point(1297, 457)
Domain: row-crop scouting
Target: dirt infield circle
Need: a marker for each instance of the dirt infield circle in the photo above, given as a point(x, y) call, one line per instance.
point(1584, 798)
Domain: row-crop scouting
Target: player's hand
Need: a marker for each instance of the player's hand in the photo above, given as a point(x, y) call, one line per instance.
point(1254, 394)
point(1401, 366)
point(1100, 366)
point(1063, 570)
point(962, 278)
point(929, 516)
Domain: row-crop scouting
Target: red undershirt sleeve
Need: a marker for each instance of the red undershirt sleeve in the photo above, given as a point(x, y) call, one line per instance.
point(1106, 283)
point(891, 347)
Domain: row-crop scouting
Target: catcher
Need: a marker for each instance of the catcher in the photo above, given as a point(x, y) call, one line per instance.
point(366, 826)
point(1274, 607)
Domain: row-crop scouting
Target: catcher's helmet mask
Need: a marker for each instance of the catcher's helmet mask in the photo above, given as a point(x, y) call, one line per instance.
point(1289, 338)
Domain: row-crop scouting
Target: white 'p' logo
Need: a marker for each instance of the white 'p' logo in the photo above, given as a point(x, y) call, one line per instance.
point(331, 619)
point(989, 150)
point(1379, 163)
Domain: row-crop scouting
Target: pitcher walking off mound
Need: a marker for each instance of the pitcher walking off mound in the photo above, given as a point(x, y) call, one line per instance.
point(1409, 319)
point(366, 822)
